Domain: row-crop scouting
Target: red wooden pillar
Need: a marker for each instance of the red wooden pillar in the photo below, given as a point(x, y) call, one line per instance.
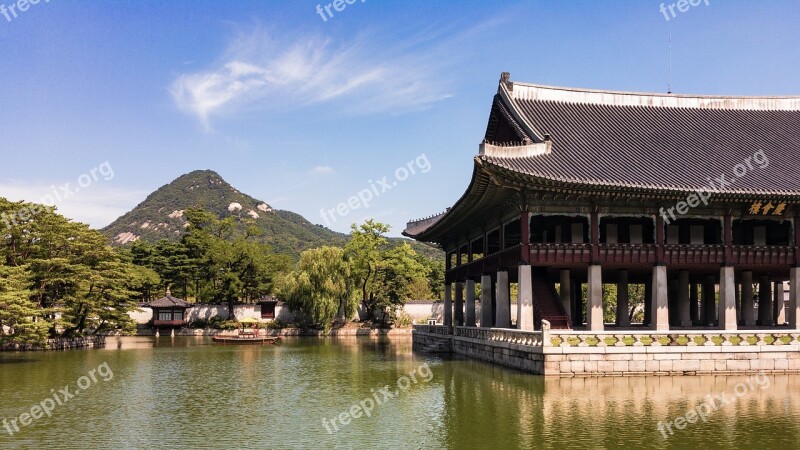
point(594, 237)
point(797, 242)
point(728, 237)
point(525, 247)
point(660, 255)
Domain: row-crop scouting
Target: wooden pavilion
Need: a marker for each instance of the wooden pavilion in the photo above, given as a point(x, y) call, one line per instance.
point(695, 197)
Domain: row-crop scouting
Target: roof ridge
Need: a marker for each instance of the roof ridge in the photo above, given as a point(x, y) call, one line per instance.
point(529, 91)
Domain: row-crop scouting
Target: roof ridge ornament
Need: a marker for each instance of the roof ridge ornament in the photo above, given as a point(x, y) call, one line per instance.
point(505, 81)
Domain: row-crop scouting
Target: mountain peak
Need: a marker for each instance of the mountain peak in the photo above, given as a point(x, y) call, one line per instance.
point(161, 215)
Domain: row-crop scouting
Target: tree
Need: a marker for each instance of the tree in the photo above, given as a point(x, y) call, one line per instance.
point(363, 251)
point(20, 320)
point(397, 271)
point(320, 287)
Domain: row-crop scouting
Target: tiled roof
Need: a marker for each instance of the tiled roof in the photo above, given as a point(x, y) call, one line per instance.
point(620, 139)
point(169, 301)
point(635, 141)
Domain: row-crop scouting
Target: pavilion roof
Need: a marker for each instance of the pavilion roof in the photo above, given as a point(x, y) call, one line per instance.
point(659, 143)
point(170, 302)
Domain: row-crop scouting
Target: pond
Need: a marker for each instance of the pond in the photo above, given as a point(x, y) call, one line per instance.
point(186, 392)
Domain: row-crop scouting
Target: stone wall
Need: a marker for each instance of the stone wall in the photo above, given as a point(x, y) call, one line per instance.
point(569, 354)
point(57, 344)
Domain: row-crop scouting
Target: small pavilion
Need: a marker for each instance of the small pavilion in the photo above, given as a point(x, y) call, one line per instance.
point(169, 311)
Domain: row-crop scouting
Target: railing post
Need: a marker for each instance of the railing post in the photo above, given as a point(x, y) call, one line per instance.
point(545, 333)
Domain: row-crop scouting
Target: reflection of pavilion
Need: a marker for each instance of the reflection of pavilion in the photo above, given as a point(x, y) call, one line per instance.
point(693, 199)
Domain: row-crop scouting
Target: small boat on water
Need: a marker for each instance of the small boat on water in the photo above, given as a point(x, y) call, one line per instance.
point(247, 339)
point(247, 336)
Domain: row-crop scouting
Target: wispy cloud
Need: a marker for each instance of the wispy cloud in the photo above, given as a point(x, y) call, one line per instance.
point(321, 170)
point(363, 75)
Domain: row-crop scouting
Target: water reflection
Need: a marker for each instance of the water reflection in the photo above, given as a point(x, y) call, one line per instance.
point(186, 392)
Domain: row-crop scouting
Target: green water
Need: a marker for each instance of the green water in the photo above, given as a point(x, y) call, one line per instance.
point(188, 393)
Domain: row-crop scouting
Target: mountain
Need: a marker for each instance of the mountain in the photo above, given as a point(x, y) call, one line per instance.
point(161, 216)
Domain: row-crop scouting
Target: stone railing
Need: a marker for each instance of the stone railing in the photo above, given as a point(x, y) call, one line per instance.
point(528, 338)
point(707, 338)
point(433, 329)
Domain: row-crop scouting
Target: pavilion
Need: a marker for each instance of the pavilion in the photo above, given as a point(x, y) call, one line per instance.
point(169, 311)
point(696, 198)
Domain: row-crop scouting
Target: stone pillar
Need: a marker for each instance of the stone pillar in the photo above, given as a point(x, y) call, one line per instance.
point(764, 301)
point(748, 310)
point(524, 299)
point(694, 304)
point(502, 305)
point(594, 304)
point(709, 301)
point(727, 299)
point(577, 304)
point(448, 304)
point(778, 316)
point(470, 319)
point(623, 319)
point(738, 292)
point(459, 313)
point(684, 315)
point(648, 304)
point(659, 308)
point(486, 301)
point(793, 315)
point(566, 292)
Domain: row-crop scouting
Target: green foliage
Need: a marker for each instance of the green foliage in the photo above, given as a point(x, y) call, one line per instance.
point(62, 269)
point(320, 288)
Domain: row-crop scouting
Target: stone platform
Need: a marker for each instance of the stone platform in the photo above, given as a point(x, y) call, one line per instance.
point(583, 353)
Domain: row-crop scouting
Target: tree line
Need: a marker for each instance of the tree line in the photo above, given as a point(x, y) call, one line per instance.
point(60, 278)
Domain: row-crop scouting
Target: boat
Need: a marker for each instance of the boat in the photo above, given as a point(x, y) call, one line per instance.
point(247, 339)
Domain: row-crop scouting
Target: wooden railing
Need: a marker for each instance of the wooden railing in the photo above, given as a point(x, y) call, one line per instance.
point(632, 254)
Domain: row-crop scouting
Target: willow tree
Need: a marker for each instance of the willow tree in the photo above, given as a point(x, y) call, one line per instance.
point(320, 288)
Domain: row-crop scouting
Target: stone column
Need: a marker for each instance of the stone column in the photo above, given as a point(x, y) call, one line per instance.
point(594, 304)
point(694, 304)
point(684, 316)
point(727, 299)
point(778, 316)
point(623, 319)
point(793, 315)
point(470, 319)
point(648, 304)
point(524, 299)
point(486, 301)
point(502, 301)
point(448, 304)
point(748, 310)
point(566, 292)
point(764, 301)
point(577, 304)
point(659, 309)
point(709, 301)
point(459, 313)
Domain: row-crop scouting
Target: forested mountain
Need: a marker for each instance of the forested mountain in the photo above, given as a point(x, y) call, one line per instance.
point(162, 216)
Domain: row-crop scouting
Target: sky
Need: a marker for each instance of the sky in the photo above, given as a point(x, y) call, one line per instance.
point(380, 106)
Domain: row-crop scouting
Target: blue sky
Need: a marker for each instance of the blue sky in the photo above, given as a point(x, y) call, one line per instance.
point(304, 113)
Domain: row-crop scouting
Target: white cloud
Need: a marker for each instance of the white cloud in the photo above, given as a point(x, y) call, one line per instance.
point(322, 170)
point(259, 71)
point(97, 204)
